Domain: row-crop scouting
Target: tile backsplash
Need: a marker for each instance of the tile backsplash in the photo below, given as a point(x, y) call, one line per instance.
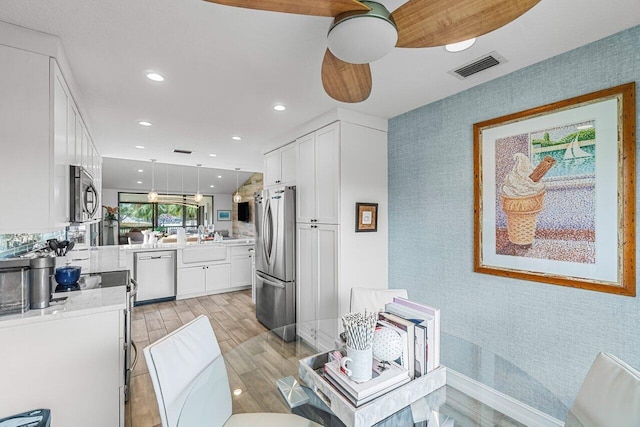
point(12, 245)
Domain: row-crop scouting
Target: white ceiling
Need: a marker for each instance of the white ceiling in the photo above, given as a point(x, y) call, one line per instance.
point(226, 67)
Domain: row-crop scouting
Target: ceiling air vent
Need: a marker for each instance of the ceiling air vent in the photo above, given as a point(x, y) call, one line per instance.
point(477, 65)
point(182, 151)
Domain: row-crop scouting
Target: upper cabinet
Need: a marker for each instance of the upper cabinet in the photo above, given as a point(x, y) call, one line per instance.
point(41, 128)
point(318, 182)
point(280, 166)
point(27, 148)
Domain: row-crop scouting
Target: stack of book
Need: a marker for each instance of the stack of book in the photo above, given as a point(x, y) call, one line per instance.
point(420, 324)
point(385, 377)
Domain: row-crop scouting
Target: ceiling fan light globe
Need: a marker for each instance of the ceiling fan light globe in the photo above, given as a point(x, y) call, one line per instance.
point(363, 37)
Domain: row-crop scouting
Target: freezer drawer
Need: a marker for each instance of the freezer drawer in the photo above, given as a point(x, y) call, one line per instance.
point(275, 305)
point(155, 273)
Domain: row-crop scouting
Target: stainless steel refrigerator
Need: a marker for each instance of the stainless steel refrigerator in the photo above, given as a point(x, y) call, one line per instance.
point(275, 220)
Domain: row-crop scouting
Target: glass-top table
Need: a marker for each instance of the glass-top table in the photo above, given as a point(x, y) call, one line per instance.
point(478, 385)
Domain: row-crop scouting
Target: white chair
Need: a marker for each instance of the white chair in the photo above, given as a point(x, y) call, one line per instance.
point(373, 299)
point(191, 384)
point(609, 396)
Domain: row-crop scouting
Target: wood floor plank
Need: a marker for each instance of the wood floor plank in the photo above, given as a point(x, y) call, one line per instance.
point(139, 330)
point(186, 316)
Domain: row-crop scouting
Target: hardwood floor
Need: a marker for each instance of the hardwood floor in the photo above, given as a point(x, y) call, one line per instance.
point(233, 318)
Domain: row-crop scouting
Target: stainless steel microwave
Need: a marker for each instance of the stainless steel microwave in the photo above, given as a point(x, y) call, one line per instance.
point(83, 197)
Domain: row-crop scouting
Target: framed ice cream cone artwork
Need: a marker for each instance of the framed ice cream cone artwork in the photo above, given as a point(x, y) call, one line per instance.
point(554, 194)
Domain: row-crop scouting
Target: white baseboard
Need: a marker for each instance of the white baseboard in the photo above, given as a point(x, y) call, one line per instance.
point(501, 402)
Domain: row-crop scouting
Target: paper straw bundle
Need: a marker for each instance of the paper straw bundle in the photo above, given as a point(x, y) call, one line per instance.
point(359, 328)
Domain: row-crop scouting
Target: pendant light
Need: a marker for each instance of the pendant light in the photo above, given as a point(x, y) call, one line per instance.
point(198, 197)
point(152, 196)
point(237, 198)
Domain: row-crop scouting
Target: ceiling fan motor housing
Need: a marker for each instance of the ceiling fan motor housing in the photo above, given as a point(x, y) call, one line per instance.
point(361, 37)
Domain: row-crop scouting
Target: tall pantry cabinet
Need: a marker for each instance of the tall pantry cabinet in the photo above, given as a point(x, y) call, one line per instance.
point(338, 165)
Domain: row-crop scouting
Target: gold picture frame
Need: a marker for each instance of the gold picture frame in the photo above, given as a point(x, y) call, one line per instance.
point(542, 226)
point(366, 217)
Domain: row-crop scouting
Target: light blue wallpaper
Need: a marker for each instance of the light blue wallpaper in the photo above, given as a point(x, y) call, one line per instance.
point(551, 332)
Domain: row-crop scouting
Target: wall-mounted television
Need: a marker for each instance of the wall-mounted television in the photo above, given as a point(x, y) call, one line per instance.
point(244, 212)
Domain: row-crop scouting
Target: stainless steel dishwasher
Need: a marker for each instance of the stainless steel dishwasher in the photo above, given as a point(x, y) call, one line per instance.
point(155, 273)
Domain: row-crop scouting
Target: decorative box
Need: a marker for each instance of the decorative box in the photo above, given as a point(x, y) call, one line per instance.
point(371, 412)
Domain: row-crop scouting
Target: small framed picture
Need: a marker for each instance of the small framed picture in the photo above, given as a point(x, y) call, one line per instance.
point(224, 215)
point(366, 217)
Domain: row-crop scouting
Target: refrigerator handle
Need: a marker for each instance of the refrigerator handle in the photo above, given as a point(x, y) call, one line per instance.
point(267, 232)
point(270, 282)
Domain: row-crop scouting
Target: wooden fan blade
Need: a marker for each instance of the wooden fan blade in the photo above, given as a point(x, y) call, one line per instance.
point(301, 7)
point(345, 82)
point(427, 23)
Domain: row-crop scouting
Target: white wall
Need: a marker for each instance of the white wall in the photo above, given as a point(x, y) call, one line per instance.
point(363, 177)
point(222, 202)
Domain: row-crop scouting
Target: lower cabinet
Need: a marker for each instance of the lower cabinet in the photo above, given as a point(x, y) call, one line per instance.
point(202, 279)
point(317, 284)
point(229, 274)
point(71, 365)
point(241, 272)
point(191, 280)
point(217, 277)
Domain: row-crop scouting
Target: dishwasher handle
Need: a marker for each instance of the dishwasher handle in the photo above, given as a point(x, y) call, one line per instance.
point(145, 258)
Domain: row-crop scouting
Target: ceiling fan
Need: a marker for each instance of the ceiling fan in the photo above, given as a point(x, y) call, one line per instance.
point(364, 31)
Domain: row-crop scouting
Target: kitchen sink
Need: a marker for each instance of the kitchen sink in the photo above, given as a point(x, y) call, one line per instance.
point(203, 253)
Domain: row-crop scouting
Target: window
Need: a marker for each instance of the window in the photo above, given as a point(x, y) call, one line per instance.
point(137, 214)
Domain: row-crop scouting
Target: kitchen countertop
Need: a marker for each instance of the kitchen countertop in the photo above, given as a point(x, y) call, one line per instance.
point(101, 259)
point(78, 303)
point(169, 246)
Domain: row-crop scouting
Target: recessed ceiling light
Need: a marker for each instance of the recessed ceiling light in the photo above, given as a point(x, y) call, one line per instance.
point(155, 77)
point(143, 123)
point(140, 170)
point(139, 182)
point(212, 155)
point(279, 107)
point(460, 46)
point(219, 176)
point(212, 186)
point(140, 147)
point(236, 138)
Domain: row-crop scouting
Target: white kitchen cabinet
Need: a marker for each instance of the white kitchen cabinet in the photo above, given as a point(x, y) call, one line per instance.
point(203, 279)
point(61, 106)
point(72, 365)
point(338, 165)
point(241, 271)
point(191, 280)
point(73, 117)
point(218, 277)
point(280, 166)
point(318, 182)
point(317, 289)
point(207, 277)
point(79, 132)
point(40, 123)
point(27, 160)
